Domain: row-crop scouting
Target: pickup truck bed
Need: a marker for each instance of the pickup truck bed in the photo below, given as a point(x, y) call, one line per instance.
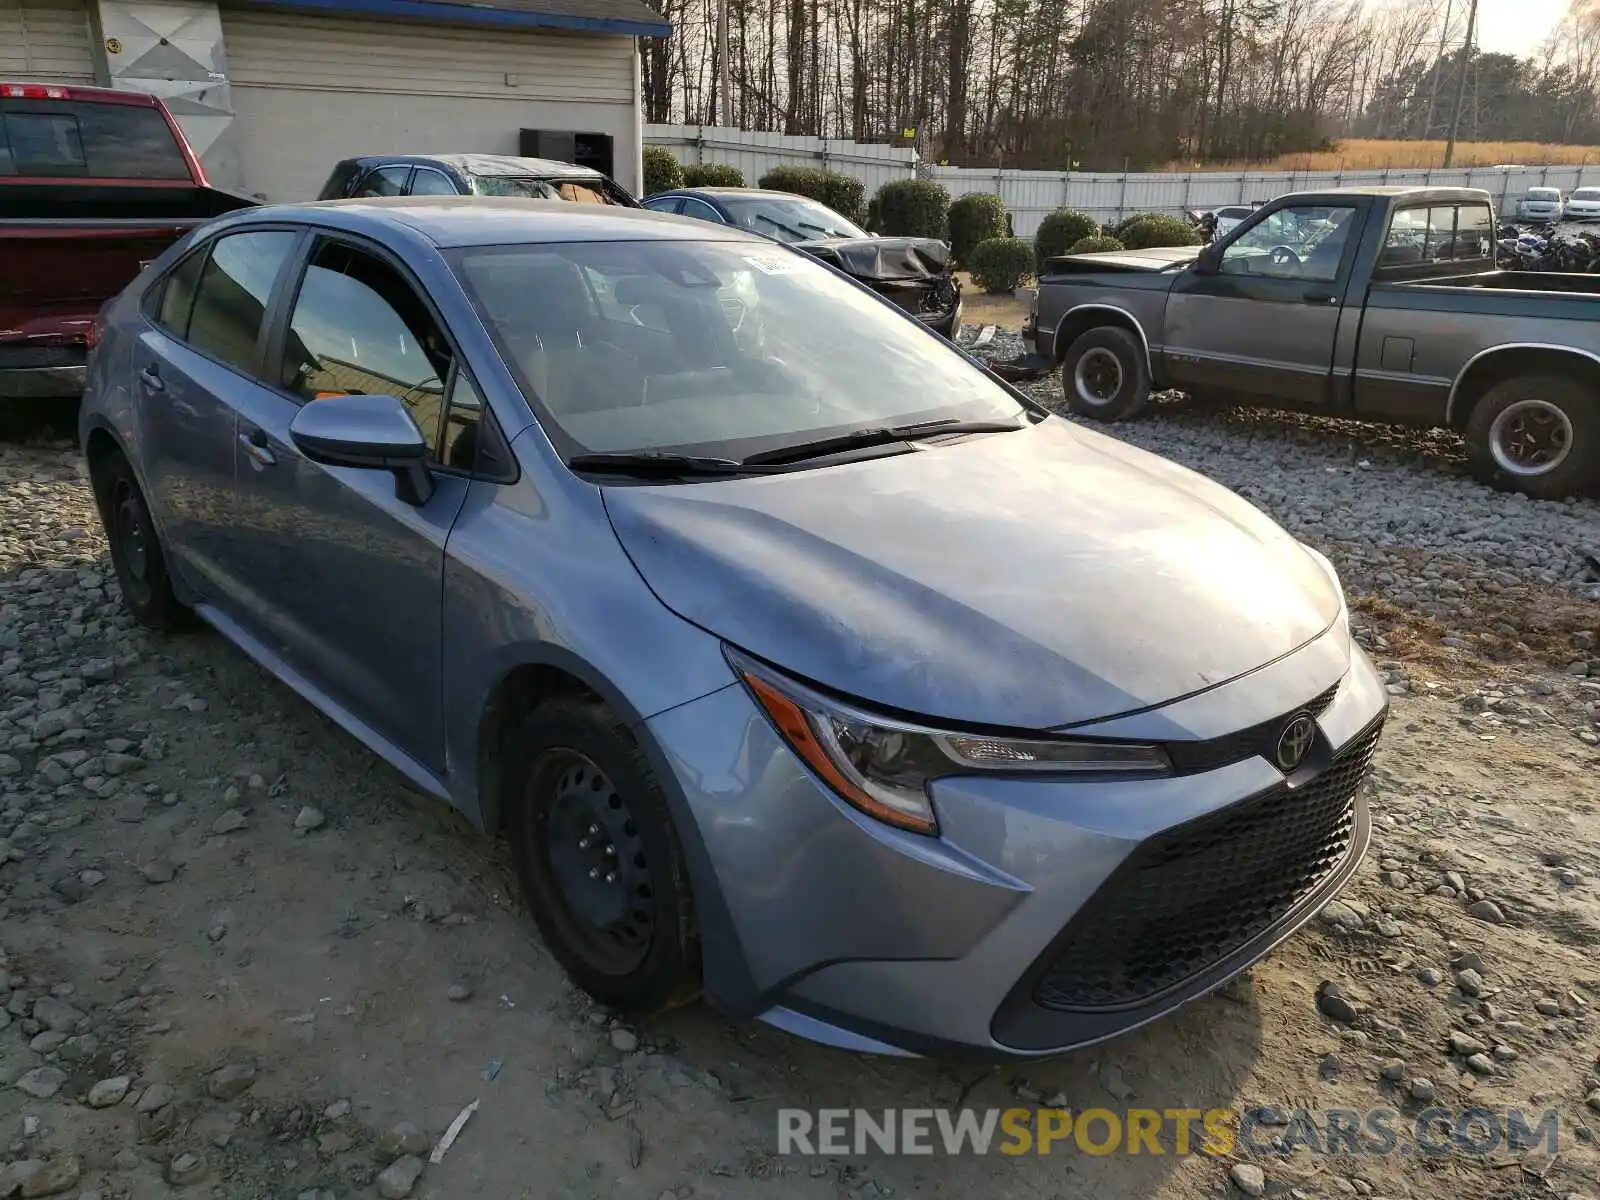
point(72, 238)
point(1381, 304)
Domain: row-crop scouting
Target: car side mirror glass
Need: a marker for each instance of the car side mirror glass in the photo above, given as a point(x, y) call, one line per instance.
point(367, 432)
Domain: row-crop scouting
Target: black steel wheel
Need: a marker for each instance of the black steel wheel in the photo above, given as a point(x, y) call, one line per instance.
point(136, 552)
point(1105, 375)
point(600, 859)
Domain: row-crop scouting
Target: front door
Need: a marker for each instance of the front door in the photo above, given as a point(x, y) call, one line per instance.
point(346, 575)
point(1262, 323)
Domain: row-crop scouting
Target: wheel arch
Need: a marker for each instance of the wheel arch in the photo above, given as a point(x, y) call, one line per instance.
point(1081, 318)
point(1497, 364)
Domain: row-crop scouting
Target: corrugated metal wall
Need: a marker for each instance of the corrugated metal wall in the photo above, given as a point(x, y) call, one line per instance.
point(46, 40)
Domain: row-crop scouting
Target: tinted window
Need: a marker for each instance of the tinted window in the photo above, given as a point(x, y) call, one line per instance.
point(177, 295)
point(1292, 243)
point(428, 182)
point(671, 204)
point(67, 138)
point(723, 347)
point(701, 211)
point(359, 328)
point(233, 292)
point(385, 181)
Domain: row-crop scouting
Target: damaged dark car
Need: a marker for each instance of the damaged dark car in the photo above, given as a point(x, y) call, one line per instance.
point(913, 272)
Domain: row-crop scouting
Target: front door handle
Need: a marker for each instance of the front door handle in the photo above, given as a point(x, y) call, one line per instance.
point(150, 380)
point(256, 446)
point(1321, 296)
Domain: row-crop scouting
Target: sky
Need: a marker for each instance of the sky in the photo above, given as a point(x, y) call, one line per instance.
point(1516, 26)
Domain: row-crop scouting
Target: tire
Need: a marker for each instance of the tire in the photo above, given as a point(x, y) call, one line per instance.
point(1104, 375)
point(1537, 434)
point(583, 787)
point(136, 553)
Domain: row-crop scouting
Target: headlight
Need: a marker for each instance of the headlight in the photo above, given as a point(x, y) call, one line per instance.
point(883, 766)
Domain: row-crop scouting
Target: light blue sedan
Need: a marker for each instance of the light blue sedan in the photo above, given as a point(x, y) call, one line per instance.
point(805, 664)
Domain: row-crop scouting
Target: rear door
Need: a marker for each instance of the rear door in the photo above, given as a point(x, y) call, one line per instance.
point(1263, 323)
point(344, 576)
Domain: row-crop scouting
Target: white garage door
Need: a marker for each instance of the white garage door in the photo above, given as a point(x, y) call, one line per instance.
point(46, 39)
point(308, 91)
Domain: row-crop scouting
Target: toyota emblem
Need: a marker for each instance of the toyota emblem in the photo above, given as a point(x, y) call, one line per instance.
point(1295, 742)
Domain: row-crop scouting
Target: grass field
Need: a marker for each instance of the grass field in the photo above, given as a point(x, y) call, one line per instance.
point(1355, 154)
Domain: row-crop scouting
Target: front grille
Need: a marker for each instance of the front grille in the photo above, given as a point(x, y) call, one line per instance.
point(1190, 758)
point(1192, 896)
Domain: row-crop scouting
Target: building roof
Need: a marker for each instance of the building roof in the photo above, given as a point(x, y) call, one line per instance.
point(632, 18)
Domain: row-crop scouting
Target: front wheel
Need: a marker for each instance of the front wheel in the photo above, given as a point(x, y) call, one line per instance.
point(1537, 434)
point(1105, 376)
point(600, 859)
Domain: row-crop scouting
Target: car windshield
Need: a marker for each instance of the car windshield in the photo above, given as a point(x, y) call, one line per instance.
point(1233, 214)
point(1586, 194)
point(581, 191)
point(724, 348)
point(1543, 195)
point(789, 218)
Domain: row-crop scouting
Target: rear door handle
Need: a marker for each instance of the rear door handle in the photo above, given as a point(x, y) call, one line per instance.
point(255, 445)
point(150, 380)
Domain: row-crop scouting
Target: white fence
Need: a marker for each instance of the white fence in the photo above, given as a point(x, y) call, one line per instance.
point(1107, 196)
point(757, 153)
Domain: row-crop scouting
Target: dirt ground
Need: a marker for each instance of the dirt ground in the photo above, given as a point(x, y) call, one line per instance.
point(979, 308)
point(274, 999)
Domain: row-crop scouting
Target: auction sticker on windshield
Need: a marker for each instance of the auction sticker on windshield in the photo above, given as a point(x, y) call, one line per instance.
point(777, 264)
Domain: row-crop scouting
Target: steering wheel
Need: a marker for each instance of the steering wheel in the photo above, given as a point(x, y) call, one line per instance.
point(1283, 256)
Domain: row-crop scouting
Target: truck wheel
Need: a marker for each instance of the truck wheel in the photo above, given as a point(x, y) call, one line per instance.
point(1537, 434)
point(1104, 375)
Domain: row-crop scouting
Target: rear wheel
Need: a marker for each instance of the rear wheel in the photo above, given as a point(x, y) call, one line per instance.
point(600, 859)
point(1104, 375)
point(136, 553)
point(1538, 434)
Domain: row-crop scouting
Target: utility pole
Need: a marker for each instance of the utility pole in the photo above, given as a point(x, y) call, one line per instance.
point(1461, 84)
point(724, 89)
point(1438, 63)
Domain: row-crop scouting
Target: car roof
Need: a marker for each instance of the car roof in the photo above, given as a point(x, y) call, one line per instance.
point(450, 221)
point(505, 165)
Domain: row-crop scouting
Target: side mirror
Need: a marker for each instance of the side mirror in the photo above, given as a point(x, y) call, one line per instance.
point(370, 432)
point(1209, 260)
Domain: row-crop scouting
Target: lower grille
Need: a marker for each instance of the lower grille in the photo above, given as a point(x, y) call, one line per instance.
point(1188, 898)
point(16, 358)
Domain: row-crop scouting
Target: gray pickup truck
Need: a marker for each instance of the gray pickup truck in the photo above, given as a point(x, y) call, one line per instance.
point(1379, 304)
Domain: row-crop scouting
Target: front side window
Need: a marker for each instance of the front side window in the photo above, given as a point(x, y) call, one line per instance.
point(710, 347)
point(358, 327)
point(230, 299)
point(702, 211)
point(385, 181)
point(1300, 242)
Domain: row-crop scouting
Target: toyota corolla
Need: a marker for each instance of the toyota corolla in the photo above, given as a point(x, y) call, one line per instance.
point(806, 665)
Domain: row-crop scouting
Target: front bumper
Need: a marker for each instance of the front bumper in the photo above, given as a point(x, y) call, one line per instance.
point(1047, 915)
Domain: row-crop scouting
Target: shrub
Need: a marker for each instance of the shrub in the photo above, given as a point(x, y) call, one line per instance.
point(1157, 229)
point(713, 175)
point(999, 264)
point(914, 208)
point(1097, 244)
point(845, 195)
point(661, 171)
point(975, 218)
point(1059, 230)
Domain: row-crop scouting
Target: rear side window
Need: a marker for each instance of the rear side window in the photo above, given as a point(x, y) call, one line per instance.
point(428, 182)
point(1441, 233)
point(78, 139)
point(231, 297)
point(385, 181)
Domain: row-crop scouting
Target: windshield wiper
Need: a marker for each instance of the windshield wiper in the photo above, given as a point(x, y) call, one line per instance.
point(654, 462)
point(879, 436)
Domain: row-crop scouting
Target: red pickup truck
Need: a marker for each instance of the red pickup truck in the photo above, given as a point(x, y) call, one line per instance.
point(94, 183)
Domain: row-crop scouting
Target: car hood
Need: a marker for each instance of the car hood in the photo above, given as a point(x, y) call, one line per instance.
point(882, 258)
point(1027, 580)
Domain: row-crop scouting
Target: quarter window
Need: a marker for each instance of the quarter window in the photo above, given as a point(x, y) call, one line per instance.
point(359, 328)
point(174, 298)
point(231, 297)
point(385, 181)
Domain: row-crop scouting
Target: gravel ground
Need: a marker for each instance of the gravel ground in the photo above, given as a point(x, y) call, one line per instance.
point(239, 960)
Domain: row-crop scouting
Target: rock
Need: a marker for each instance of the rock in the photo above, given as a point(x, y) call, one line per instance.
point(458, 992)
point(108, 1092)
point(1487, 910)
point(1482, 1064)
point(229, 822)
point(1394, 1070)
point(1332, 1004)
point(624, 1040)
point(56, 1014)
point(1421, 1089)
point(157, 1096)
point(159, 871)
point(1248, 1178)
point(42, 1082)
point(1470, 982)
point(187, 1168)
point(122, 764)
point(308, 819)
point(52, 1177)
point(336, 1111)
point(1429, 977)
point(232, 1080)
point(1593, 1100)
point(47, 1042)
point(1465, 1044)
point(1387, 927)
point(403, 1140)
point(1343, 914)
point(1548, 1007)
point(397, 1179)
